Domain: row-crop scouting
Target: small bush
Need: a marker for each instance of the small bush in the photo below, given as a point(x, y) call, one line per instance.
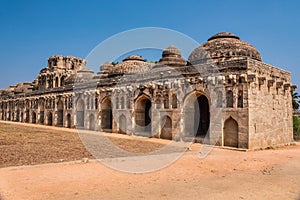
point(296, 127)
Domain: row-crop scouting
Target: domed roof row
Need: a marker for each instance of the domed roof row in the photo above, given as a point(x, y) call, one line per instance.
point(220, 47)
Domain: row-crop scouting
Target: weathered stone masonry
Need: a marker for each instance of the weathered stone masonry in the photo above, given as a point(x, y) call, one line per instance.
point(223, 94)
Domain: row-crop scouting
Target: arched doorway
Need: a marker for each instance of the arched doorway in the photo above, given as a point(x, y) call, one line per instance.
point(18, 115)
point(201, 116)
point(231, 133)
point(122, 124)
point(22, 117)
point(33, 117)
point(196, 116)
point(166, 131)
point(27, 112)
point(50, 119)
point(60, 113)
point(143, 115)
point(80, 113)
point(27, 116)
point(68, 121)
point(106, 115)
point(42, 114)
point(92, 122)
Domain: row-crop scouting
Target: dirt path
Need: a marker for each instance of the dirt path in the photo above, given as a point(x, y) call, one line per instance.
point(223, 174)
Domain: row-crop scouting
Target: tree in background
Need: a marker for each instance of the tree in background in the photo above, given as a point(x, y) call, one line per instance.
point(295, 100)
point(296, 120)
point(296, 127)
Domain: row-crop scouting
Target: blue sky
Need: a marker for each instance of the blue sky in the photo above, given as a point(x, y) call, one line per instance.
point(33, 30)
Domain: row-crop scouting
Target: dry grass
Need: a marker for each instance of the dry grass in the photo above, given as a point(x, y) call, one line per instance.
point(31, 145)
point(23, 145)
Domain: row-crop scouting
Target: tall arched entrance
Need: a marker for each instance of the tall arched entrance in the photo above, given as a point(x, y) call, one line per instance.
point(80, 114)
point(122, 124)
point(18, 115)
point(42, 111)
point(60, 113)
point(92, 122)
point(27, 112)
point(201, 116)
point(22, 117)
point(33, 117)
point(143, 115)
point(68, 120)
point(196, 116)
point(231, 133)
point(106, 115)
point(49, 118)
point(166, 131)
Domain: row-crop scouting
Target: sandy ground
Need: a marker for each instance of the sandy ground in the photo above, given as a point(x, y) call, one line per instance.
point(222, 174)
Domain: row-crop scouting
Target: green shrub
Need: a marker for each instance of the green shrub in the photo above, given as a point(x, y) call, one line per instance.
point(296, 127)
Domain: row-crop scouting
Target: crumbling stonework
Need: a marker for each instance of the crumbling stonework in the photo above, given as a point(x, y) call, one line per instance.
point(223, 94)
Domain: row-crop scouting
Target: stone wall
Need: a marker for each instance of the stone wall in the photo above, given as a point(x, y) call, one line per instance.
point(248, 102)
point(270, 109)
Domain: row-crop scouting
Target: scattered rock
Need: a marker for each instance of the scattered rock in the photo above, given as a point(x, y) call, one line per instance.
point(188, 148)
point(266, 171)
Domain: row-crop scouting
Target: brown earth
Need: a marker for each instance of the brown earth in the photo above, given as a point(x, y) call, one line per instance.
point(28, 144)
point(223, 174)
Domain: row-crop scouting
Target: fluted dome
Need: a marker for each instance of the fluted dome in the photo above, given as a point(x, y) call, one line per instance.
point(132, 64)
point(171, 50)
point(171, 56)
point(106, 67)
point(224, 46)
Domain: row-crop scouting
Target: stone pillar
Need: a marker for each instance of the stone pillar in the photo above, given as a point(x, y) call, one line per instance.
point(54, 114)
point(53, 82)
point(133, 122)
point(181, 125)
point(60, 62)
point(59, 83)
point(46, 82)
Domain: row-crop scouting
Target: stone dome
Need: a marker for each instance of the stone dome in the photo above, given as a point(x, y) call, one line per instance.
point(106, 67)
point(132, 64)
point(171, 56)
point(171, 50)
point(224, 46)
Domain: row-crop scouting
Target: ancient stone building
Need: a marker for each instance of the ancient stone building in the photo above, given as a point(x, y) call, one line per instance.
point(222, 94)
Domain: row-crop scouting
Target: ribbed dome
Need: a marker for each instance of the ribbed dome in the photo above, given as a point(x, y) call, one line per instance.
point(223, 35)
point(171, 50)
point(171, 56)
point(132, 64)
point(224, 46)
point(134, 57)
point(106, 67)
